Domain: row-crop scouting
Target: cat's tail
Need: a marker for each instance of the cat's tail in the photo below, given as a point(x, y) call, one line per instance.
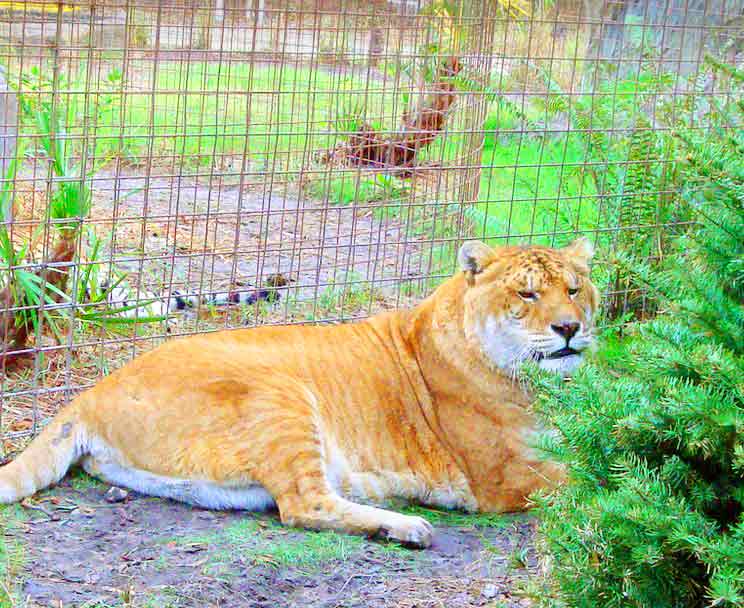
point(46, 460)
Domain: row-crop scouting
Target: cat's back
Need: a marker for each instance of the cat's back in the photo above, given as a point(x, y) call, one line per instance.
point(247, 359)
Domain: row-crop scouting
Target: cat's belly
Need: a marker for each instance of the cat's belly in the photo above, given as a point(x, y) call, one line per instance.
point(201, 493)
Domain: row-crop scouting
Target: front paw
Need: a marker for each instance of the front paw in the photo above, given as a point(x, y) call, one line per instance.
point(408, 530)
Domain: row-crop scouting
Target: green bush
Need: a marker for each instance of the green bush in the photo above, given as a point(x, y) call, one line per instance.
point(652, 430)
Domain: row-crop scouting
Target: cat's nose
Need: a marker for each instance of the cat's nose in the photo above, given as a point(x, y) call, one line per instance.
point(567, 329)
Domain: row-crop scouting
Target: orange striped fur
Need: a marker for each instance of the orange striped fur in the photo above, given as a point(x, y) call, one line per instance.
point(422, 404)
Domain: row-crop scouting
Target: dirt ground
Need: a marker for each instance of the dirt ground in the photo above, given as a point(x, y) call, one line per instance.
point(76, 549)
point(203, 236)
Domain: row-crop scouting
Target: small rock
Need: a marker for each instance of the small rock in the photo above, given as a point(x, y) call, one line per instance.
point(489, 591)
point(116, 494)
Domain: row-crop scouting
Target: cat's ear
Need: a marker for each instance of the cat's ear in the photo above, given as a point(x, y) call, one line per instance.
point(582, 248)
point(473, 258)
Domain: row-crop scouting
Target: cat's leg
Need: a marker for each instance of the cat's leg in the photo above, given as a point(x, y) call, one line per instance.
point(524, 478)
point(379, 486)
point(326, 510)
point(294, 469)
point(513, 484)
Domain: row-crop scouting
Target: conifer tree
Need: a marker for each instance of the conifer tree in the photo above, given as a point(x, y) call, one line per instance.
point(652, 430)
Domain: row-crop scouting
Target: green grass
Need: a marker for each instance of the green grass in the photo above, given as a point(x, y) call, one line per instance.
point(345, 190)
point(460, 519)
point(532, 187)
point(278, 114)
point(362, 188)
point(314, 548)
point(349, 295)
point(11, 554)
point(81, 481)
point(267, 542)
point(270, 543)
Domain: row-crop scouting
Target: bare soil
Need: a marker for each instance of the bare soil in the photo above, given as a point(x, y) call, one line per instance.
point(203, 236)
point(79, 550)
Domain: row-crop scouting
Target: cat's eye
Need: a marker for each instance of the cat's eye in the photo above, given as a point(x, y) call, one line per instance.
point(572, 291)
point(530, 296)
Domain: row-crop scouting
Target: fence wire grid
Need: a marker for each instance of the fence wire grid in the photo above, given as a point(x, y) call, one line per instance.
point(177, 167)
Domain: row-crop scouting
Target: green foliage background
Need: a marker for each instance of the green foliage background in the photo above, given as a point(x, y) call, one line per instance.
point(652, 431)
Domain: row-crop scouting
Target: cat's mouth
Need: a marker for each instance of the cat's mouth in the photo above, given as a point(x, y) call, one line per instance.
point(566, 351)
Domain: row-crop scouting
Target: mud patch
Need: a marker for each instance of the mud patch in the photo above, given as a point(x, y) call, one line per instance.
point(145, 552)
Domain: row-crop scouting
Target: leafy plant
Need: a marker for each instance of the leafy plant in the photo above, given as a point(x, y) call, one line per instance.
point(93, 288)
point(89, 110)
point(651, 431)
point(70, 204)
point(631, 163)
point(36, 295)
point(71, 200)
point(23, 290)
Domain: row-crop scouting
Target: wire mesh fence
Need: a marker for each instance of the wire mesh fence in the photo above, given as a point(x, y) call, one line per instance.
point(176, 167)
